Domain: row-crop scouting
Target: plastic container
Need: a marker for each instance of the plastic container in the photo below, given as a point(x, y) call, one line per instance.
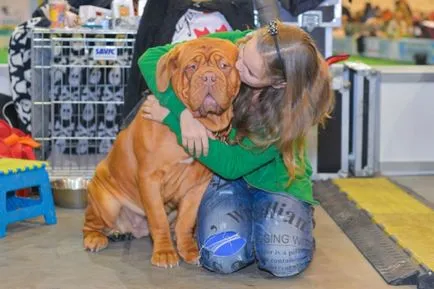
point(122, 8)
point(57, 11)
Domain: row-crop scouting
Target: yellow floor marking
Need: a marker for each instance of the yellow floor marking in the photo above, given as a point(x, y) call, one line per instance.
point(402, 216)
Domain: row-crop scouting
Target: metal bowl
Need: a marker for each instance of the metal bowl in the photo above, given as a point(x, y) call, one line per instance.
point(70, 193)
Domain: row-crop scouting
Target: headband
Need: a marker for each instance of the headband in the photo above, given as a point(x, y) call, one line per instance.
point(273, 31)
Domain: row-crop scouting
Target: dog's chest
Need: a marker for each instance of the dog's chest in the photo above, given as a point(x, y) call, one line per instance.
point(178, 178)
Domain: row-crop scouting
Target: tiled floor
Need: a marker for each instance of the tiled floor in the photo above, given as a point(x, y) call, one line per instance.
point(51, 257)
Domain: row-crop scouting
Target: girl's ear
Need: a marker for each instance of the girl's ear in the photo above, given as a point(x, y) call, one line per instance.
point(279, 85)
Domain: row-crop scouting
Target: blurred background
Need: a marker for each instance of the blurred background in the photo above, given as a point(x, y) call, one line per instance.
point(373, 31)
point(13, 13)
point(387, 31)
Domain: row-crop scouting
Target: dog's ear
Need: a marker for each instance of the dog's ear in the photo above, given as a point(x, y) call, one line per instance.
point(165, 68)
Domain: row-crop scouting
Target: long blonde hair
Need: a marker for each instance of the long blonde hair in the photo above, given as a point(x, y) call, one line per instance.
point(283, 116)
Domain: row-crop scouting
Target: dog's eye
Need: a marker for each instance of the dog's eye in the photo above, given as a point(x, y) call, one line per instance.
point(224, 65)
point(191, 67)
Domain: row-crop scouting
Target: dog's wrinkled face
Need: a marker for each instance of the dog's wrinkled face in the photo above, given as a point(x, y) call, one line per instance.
point(204, 77)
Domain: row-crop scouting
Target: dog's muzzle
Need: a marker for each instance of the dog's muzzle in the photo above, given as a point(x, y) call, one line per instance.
point(209, 105)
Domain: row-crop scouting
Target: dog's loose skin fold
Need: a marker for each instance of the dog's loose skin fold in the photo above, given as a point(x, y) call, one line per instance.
point(146, 169)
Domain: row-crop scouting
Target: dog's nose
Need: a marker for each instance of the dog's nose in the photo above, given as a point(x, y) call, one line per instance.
point(209, 78)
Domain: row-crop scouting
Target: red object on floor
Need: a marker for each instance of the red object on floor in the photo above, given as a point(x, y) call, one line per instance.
point(16, 144)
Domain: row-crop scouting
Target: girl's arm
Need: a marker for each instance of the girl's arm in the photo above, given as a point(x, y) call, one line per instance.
point(228, 161)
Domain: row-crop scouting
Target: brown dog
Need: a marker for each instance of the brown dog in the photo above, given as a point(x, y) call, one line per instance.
point(146, 168)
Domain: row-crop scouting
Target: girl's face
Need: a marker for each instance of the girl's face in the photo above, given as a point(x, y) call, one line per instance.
point(251, 66)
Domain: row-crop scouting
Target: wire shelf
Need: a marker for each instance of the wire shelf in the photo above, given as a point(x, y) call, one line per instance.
point(78, 82)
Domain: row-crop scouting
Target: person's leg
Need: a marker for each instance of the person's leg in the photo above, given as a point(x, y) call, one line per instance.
point(282, 233)
point(224, 226)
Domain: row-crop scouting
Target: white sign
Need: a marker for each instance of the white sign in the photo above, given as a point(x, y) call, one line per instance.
point(105, 53)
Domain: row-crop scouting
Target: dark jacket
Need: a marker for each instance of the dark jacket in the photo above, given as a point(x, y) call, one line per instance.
point(297, 7)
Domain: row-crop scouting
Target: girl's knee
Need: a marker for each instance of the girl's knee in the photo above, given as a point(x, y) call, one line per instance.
point(226, 253)
point(223, 215)
point(224, 266)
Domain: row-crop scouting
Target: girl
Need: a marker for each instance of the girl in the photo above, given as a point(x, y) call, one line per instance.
point(258, 206)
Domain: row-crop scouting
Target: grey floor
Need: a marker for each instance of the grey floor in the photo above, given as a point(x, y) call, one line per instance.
point(35, 256)
point(423, 186)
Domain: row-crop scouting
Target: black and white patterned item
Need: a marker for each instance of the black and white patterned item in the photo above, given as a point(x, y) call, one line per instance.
point(110, 93)
point(86, 92)
point(64, 124)
point(77, 54)
point(74, 79)
point(109, 126)
point(58, 76)
point(23, 107)
point(19, 64)
point(89, 82)
point(95, 76)
point(105, 146)
point(89, 94)
point(92, 91)
point(64, 127)
point(82, 147)
point(59, 57)
point(115, 76)
point(113, 90)
point(60, 146)
point(61, 92)
point(87, 121)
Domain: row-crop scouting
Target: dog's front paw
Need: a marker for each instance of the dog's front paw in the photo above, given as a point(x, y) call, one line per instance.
point(165, 258)
point(94, 241)
point(187, 248)
point(190, 254)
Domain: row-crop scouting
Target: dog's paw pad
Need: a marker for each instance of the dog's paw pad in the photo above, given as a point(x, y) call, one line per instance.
point(95, 242)
point(190, 256)
point(165, 258)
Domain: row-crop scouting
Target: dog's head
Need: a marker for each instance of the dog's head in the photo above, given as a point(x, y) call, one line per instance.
point(204, 77)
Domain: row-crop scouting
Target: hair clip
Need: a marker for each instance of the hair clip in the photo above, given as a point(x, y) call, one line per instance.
point(272, 28)
point(273, 31)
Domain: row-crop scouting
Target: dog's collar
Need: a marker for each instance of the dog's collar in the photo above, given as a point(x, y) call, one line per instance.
point(223, 134)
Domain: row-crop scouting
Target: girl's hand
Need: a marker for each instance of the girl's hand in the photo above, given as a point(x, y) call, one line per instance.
point(194, 134)
point(151, 109)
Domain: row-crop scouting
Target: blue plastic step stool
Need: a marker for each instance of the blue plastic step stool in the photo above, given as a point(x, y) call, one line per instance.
point(16, 174)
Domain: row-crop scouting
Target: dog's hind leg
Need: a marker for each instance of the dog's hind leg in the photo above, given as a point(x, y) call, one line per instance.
point(101, 213)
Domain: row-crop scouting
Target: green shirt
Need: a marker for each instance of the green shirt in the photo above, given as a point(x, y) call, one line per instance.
point(261, 168)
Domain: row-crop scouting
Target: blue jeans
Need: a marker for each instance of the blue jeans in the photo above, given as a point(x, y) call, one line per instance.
point(238, 224)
